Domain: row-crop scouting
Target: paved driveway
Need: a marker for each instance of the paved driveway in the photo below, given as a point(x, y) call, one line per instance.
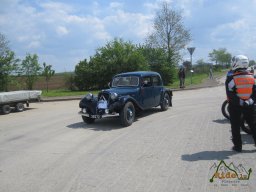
point(49, 148)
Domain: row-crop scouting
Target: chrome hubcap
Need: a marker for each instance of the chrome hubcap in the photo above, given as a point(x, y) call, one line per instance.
point(129, 114)
point(166, 101)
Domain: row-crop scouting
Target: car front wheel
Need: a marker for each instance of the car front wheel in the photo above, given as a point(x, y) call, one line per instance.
point(165, 102)
point(127, 114)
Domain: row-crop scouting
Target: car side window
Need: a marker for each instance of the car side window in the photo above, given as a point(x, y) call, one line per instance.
point(156, 81)
point(146, 82)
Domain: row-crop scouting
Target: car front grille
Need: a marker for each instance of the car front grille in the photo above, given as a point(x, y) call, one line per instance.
point(104, 96)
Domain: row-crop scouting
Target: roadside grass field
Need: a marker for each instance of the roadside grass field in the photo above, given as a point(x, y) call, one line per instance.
point(196, 79)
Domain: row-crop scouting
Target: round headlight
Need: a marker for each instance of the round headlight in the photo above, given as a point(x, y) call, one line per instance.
point(113, 96)
point(89, 96)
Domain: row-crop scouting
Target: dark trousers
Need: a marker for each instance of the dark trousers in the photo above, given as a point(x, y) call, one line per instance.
point(235, 120)
point(182, 82)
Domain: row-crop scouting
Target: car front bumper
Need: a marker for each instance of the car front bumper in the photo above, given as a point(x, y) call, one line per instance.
point(98, 116)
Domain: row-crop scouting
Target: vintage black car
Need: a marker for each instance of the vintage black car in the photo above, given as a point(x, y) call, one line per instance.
point(128, 94)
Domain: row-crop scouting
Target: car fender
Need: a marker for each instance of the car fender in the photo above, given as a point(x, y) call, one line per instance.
point(124, 99)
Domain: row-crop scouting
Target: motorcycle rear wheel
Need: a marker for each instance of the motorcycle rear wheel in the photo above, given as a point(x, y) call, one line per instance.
point(225, 111)
point(245, 127)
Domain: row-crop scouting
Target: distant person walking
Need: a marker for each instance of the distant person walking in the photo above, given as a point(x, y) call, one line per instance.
point(210, 73)
point(182, 76)
point(252, 70)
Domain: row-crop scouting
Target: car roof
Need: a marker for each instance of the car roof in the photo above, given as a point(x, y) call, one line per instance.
point(138, 73)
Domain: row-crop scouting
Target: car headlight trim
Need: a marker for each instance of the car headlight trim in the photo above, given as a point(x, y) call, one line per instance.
point(113, 96)
point(89, 96)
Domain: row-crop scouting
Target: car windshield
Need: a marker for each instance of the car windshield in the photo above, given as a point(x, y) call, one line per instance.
point(124, 81)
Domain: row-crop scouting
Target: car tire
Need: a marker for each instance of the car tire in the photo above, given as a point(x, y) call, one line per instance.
point(6, 109)
point(127, 114)
point(19, 107)
point(88, 120)
point(165, 102)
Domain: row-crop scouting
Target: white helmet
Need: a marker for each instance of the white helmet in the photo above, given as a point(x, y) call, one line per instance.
point(239, 62)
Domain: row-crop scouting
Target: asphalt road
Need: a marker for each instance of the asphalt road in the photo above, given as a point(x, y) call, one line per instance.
point(49, 148)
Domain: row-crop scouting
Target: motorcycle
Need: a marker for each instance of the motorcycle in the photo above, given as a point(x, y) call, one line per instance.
point(244, 126)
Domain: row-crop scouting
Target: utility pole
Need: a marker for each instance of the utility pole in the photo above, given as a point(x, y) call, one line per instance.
point(191, 51)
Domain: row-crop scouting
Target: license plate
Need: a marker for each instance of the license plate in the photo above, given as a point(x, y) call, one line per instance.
point(95, 116)
point(102, 105)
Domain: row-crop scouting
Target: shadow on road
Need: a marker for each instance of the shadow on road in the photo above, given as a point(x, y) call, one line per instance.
point(212, 155)
point(105, 124)
point(110, 123)
point(247, 139)
point(148, 112)
point(219, 155)
point(222, 121)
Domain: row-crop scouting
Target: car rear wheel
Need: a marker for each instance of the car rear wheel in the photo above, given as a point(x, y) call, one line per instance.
point(6, 109)
point(166, 102)
point(19, 107)
point(127, 114)
point(88, 120)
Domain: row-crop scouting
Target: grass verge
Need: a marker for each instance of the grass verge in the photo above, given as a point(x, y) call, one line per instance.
point(195, 79)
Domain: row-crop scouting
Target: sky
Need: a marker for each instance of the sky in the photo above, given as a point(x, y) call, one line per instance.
point(64, 32)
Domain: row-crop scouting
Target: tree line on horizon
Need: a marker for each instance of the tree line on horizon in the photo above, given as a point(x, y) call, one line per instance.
point(29, 68)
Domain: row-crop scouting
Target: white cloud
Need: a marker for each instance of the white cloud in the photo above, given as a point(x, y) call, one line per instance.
point(23, 38)
point(34, 44)
point(238, 25)
point(57, 7)
point(116, 5)
point(61, 30)
point(128, 25)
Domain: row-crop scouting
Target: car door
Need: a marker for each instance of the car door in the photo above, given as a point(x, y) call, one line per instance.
point(156, 90)
point(147, 98)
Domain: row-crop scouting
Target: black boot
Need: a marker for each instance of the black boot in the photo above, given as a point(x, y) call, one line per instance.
point(237, 148)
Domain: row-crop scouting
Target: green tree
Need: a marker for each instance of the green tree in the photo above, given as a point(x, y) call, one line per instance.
point(8, 64)
point(157, 61)
point(252, 63)
point(187, 65)
point(115, 57)
point(70, 81)
point(220, 56)
point(169, 33)
point(85, 76)
point(202, 67)
point(48, 72)
point(30, 68)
